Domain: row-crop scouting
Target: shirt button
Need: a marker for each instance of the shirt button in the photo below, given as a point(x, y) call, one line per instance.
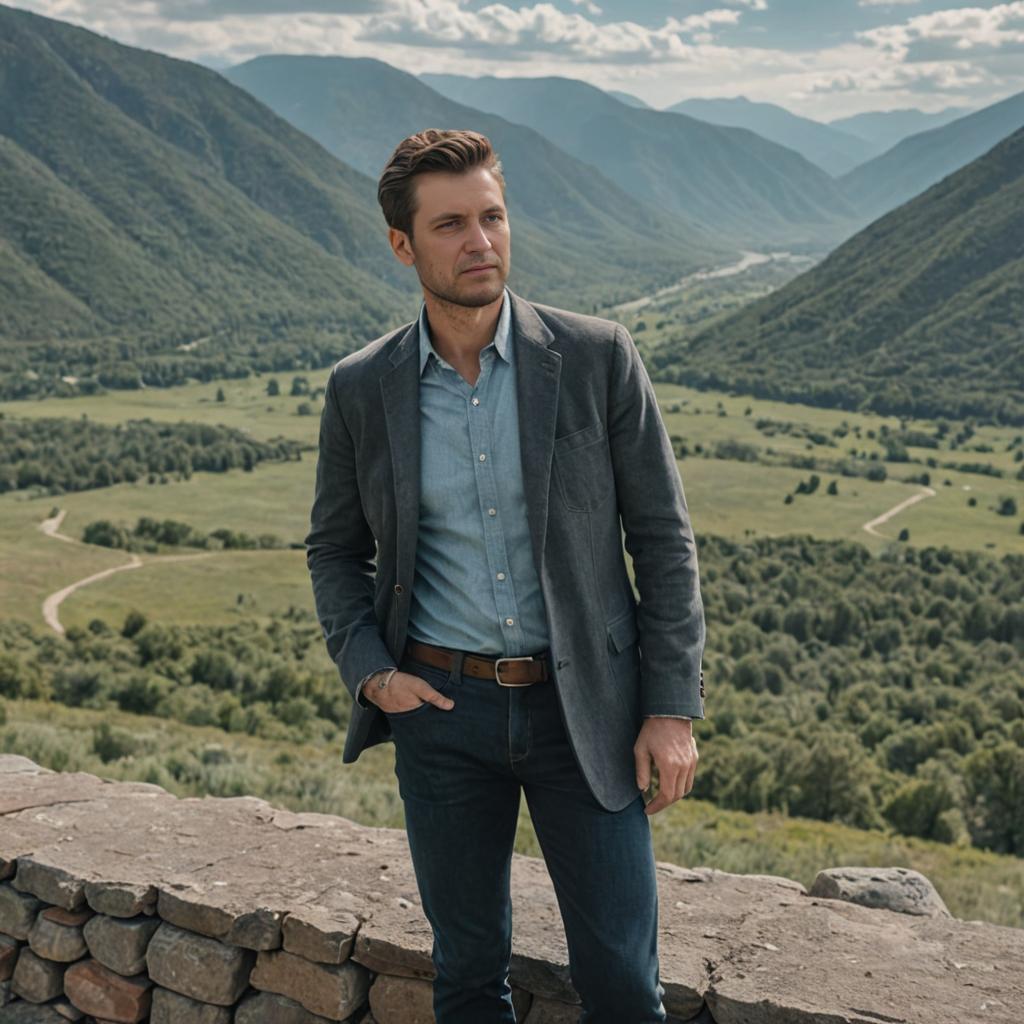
point(501, 575)
point(509, 622)
point(492, 511)
point(476, 401)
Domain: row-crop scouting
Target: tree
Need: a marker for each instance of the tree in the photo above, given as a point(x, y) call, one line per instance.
point(273, 388)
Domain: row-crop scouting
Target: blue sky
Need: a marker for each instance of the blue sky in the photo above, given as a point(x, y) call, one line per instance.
point(823, 59)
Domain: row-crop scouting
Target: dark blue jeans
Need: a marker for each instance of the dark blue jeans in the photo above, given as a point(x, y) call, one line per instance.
point(460, 773)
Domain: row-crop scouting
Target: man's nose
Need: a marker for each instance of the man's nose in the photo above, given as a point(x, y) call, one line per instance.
point(477, 239)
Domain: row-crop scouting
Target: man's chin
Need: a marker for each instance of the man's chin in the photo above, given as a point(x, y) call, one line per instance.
point(469, 292)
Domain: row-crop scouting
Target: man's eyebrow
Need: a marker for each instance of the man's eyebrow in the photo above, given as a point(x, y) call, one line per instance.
point(457, 216)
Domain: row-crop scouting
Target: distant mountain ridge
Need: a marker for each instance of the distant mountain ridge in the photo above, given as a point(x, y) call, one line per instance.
point(921, 313)
point(577, 237)
point(748, 191)
point(831, 149)
point(885, 128)
point(921, 160)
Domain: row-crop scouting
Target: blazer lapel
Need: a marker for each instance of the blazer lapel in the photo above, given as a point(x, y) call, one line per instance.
point(400, 393)
point(538, 371)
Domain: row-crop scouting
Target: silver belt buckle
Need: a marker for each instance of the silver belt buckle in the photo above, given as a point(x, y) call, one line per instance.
point(497, 670)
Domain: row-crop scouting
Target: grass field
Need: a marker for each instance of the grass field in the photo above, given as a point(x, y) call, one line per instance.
point(726, 497)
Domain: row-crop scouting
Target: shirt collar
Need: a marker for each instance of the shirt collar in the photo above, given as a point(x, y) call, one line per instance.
point(502, 334)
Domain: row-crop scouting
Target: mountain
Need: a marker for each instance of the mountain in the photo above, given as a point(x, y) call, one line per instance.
point(921, 313)
point(832, 150)
point(884, 128)
point(921, 160)
point(142, 195)
point(578, 239)
point(629, 99)
point(747, 190)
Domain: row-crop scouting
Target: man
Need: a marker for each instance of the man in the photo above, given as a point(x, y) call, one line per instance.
point(477, 468)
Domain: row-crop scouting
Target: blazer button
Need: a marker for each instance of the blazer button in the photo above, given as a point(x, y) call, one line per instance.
point(398, 588)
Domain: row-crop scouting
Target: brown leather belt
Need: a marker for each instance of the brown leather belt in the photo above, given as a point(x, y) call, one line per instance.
point(520, 671)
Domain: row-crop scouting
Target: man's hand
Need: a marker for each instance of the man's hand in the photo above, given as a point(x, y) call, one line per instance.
point(404, 692)
point(670, 742)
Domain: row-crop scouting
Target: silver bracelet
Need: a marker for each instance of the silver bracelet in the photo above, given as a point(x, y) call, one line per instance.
point(387, 679)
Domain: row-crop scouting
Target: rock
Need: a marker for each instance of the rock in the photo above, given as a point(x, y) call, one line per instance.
point(29, 1013)
point(198, 967)
point(18, 911)
point(54, 940)
point(173, 1008)
point(326, 938)
point(36, 979)
point(189, 908)
point(120, 943)
point(49, 883)
point(9, 948)
point(104, 993)
point(272, 1008)
point(333, 991)
point(121, 899)
point(409, 1000)
point(900, 889)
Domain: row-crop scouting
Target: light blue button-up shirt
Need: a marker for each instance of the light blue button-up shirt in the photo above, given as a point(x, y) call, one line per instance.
point(475, 587)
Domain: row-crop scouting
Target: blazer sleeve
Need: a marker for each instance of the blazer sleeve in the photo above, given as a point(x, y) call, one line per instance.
point(340, 554)
point(659, 539)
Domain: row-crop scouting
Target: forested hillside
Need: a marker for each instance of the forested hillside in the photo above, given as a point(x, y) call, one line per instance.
point(921, 313)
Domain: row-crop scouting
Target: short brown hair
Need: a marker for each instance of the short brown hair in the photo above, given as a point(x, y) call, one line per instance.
point(433, 149)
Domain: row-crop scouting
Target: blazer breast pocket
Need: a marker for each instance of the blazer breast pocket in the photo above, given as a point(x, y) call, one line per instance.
point(583, 468)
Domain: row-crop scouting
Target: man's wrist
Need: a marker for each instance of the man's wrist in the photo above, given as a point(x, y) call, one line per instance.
point(361, 698)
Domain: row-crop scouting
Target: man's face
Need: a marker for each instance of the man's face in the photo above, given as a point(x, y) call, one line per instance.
point(460, 224)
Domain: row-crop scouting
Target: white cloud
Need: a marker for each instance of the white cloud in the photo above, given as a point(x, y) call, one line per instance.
point(956, 33)
point(950, 57)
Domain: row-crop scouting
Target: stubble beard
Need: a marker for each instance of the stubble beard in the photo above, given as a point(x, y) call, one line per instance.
point(449, 293)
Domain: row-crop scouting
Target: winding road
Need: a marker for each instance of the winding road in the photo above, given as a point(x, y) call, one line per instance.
point(926, 492)
point(51, 527)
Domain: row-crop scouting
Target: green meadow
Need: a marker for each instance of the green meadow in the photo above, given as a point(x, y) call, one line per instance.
point(727, 497)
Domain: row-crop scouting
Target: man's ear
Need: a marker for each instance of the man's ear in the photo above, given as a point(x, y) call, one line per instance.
point(401, 246)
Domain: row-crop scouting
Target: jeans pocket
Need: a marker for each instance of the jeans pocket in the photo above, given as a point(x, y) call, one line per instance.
point(439, 678)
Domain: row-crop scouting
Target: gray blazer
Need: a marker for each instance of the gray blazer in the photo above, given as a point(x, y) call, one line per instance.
point(597, 464)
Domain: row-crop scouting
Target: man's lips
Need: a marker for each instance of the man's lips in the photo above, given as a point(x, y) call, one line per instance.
point(477, 270)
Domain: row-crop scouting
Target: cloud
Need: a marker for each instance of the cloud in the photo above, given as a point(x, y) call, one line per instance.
point(964, 55)
point(954, 34)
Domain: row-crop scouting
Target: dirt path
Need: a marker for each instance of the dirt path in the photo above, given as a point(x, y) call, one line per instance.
point(51, 527)
point(926, 492)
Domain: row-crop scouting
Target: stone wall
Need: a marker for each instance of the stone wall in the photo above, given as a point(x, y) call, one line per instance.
point(122, 903)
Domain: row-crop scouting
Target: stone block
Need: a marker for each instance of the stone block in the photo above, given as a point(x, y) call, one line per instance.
point(56, 941)
point(107, 995)
point(332, 991)
point(120, 943)
point(173, 1008)
point(197, 966)
point(36, 979)
point(18, 911)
